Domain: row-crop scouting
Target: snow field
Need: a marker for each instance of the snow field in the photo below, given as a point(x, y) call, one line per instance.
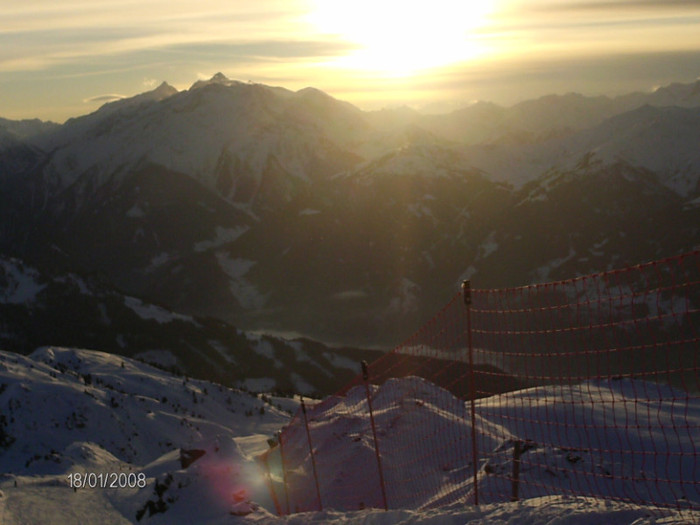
point(626, 441)
point(77, 411)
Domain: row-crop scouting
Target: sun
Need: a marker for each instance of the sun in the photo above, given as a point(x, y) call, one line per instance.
point(400, 38)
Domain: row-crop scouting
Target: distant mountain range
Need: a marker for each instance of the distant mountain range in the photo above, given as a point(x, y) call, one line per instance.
point(293, 211)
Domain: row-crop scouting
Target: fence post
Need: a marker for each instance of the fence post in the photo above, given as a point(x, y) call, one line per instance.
point(466, 289)
point(311, 451)
point(517, 451)
point(365, 377)
point(268, 482)
point(284, 470)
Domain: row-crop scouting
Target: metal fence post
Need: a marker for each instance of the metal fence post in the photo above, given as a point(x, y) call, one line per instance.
point(466, 289)
point(365, 377)
point(268, 481)
point(517, 451)
point(313, 458)
point(284, 470)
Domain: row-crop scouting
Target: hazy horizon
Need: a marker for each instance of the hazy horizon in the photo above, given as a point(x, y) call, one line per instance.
point(64, 60)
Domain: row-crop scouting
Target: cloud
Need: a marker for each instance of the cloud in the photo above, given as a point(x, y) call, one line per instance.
point(44, 33)
point(138, 14)
point(511, 80)
point(103, 99)
point(264, 49)
point(624, 5)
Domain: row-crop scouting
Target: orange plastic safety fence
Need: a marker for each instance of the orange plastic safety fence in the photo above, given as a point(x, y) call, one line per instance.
point(588, 386)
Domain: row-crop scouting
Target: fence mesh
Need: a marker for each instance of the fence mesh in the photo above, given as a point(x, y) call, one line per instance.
point(588, 386)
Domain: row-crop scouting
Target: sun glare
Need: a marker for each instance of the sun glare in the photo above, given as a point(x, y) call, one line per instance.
point(401, 38)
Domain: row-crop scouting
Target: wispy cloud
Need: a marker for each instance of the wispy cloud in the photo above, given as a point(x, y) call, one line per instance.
point(264, 49)
point(71, 14)
point(575, 28)
point(622, 5)
point(103, 99)
point(108, 28)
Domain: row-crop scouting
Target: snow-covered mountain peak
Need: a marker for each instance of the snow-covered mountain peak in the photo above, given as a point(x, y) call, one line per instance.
point(419, 155)
point(213, 132)
point(317, 100)
point(164, 90)
point(314, 95)
point(659, 139)
point(21, 129)
point(312, 91)
point(218, 79)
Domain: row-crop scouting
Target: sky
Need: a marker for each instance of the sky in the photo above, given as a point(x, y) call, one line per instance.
point(64, 59)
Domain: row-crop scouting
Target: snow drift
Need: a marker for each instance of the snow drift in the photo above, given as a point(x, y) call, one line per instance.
point(626, 440)
point(67, 411)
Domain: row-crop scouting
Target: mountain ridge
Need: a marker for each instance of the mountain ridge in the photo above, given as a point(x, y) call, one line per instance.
point(293, 211)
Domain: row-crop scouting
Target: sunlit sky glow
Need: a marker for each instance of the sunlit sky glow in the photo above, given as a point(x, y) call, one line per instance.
point(63, 59)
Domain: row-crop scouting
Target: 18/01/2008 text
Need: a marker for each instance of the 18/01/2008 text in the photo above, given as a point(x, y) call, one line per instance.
point(106, 480)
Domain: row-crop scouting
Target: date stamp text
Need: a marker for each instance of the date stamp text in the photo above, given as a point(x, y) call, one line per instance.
point(106, 480)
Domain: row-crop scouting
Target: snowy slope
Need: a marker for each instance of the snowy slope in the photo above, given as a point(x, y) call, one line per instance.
point(424, 436)
point(216, 127)
point(662, 140)
point(69, 411)
point(415, 157)
point(552, 510)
